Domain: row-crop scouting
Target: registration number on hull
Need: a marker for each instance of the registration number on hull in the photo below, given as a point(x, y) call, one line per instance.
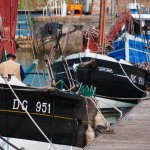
point(40, 107)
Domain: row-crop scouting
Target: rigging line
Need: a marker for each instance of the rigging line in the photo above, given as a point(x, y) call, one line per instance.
point(121, 113)
point(50, 71)
point(42, 40)
point(130, 79)
point(63, 84)
point(42, 67)
point(29, 114)
point(92, 100)
point(33, 80)
point(9, 143)
point(26, 56)
point(68, 90)
point(55, 46)
point(56, 76)
point(27, 19)
point(69, 26)
point(38, 26)
point(67, 70)
point(2, 148)
point(32, 29)
point(37, 72)
point(86, 106)
point(3, 143)
point(65, 64)
point(43, 73)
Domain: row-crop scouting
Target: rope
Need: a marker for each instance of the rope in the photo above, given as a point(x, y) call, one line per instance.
point(67, 70)
point(130, 79)
point(106, 122)
point(3, 143)
point(33, 79)
point(91, 33)
point(29, 114)
point(8, 143)
point(121, 113)
point(87, 111)
point(36, 68)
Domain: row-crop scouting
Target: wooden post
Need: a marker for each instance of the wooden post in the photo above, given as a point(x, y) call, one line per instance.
point(102, 22)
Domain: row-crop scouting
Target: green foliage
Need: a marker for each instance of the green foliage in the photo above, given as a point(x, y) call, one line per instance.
point(31, 4)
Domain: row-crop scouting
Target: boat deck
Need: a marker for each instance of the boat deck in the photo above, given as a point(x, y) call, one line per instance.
point(130, 133)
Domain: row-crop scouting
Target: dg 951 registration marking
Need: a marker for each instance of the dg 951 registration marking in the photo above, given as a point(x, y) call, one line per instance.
point(40, 107)
point(43, 107)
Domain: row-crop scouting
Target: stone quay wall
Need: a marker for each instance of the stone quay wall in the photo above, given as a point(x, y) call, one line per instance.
point(79, 23)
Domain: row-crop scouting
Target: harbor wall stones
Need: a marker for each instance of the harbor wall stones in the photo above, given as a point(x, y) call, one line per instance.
point(75, 38)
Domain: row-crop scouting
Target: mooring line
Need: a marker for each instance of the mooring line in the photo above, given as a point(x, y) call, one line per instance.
point(30, 116)
point(130, 79)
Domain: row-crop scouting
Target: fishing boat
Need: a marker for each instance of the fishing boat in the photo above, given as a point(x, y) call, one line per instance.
point(39, 117)
point(61, 116)
point(117, 63)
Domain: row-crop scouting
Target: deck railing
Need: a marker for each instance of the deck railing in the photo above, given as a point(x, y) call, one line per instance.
point(54, 7)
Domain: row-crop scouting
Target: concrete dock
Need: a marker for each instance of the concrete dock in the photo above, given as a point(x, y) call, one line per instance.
point(132, 132)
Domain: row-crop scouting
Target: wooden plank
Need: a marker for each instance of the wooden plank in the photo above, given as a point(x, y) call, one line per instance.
point(131, 132)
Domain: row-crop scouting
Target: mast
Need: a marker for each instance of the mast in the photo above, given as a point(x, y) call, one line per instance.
point(102, 22)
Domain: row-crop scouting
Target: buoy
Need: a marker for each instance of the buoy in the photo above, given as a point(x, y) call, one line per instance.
point(99, 120)
point(90, 134)
point(100, 124)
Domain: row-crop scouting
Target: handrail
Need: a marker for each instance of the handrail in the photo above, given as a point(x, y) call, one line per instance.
point(52, 5)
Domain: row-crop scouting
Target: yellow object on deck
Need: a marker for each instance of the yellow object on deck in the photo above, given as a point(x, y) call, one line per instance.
point(78, 9)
